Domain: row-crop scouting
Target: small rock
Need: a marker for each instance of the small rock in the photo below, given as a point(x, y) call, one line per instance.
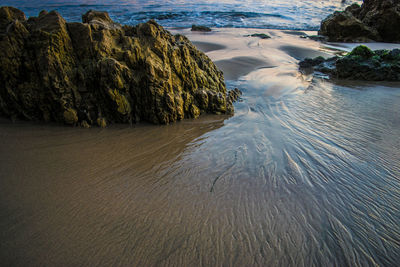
point(70, 116)
point(309, 62)
point(199, 28)
point(259, 35)
point(234, 95)
point(85, 124)
point(101, 122)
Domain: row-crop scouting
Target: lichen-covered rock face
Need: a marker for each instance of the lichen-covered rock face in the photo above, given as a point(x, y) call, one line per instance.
point(99, 72)
point(375, 20)
point(360, 64)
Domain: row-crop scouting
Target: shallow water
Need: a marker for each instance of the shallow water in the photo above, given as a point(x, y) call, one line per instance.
point(307, 173)
point(276, 14)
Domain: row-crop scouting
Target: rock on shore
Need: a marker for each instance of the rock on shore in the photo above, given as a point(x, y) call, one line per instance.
point(360, 64)
point(375, 20)
point(99, 72)
point(200, 28)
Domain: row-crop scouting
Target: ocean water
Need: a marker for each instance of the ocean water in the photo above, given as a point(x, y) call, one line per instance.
point(274, 14)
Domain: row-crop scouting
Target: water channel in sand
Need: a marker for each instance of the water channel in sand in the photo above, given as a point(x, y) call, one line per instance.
point(306, 173)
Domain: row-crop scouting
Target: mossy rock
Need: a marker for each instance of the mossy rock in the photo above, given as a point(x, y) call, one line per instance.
point(362, 51)
point(70, 116)
point(361, 64)
point(102, 71)
point(101, 122)
point(122, 103)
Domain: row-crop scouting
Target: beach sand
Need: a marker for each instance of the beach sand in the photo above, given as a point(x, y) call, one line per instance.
point(286, 181)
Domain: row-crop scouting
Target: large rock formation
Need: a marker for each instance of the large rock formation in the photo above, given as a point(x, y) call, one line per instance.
point(98, 72)
point(360, 64)
point(375, 20)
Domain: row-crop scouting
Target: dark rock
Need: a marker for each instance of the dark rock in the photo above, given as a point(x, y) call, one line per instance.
point(309, 62)
point(99, 72)
point(199, 28)
point(360, 64)
point(100, 18)
point(233, 96)
point(394, 55)
point(8, 15)
point(375, 20)
point(319, 38)
point(259, 35)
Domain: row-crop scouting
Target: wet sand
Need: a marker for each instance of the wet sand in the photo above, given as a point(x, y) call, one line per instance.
point(238, 54)
point(306, 173)
point(207, 47)
point(237, 67)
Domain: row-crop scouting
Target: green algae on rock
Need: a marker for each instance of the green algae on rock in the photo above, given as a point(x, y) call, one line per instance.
point(360, 64)
point(100, 72)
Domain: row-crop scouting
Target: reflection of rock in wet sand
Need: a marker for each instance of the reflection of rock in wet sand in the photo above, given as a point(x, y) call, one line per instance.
point(62, 185)
point(149, 144)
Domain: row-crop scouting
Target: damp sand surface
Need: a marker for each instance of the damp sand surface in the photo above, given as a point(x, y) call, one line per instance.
point(306, 173)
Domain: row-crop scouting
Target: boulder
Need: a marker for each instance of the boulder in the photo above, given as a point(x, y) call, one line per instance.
point(375, 20)
point(100, 72)
point(360, 64)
